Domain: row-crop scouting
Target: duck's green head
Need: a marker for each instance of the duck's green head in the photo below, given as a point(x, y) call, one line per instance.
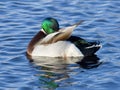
point(50, 25)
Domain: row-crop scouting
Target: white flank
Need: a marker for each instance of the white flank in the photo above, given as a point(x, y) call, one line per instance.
point(58, 49)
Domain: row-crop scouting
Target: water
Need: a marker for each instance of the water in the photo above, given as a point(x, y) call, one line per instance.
point(20, 21)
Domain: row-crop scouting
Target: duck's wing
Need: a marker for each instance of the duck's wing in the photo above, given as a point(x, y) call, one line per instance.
point(62, 34)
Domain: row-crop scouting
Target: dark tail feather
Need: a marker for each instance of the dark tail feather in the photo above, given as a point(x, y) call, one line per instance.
point(87, 48)
point(91, 49)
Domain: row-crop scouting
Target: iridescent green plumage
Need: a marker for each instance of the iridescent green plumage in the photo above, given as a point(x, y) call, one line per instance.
point(50, 25)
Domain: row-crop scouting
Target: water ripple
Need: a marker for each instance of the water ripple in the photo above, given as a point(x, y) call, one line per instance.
point(20, 21)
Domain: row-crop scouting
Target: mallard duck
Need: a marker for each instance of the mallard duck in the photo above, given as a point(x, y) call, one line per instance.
point(51, 41)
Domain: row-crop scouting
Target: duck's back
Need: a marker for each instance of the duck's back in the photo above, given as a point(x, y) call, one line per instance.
point(58, 49)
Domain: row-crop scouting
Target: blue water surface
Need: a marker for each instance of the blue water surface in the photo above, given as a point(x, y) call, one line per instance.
point(20, 20)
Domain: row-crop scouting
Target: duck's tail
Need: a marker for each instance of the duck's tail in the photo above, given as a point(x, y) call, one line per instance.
point(87, 48)
point(91, 49)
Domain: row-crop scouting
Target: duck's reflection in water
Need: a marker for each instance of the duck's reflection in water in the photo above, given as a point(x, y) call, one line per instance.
point(89, 62)
point(53, 71)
